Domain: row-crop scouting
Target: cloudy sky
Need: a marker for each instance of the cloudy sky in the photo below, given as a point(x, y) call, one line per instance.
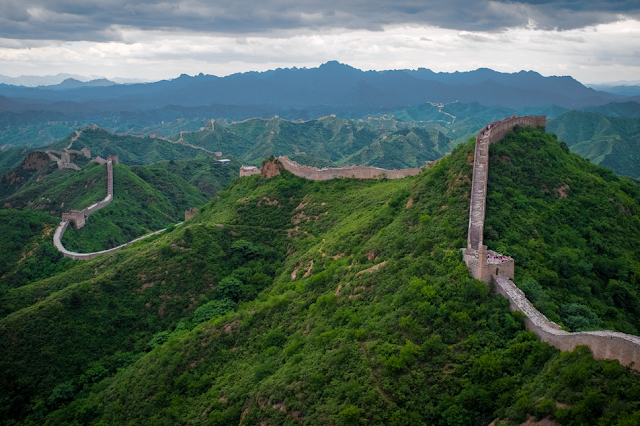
point(594, 41)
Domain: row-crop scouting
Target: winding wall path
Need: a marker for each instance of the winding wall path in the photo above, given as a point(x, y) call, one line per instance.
point(603, 344)
point(57, 237)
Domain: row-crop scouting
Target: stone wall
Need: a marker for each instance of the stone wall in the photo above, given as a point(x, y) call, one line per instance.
point(77, 216)
point(358, 172)
point(57, 242)
point(80, 215)
point(484, 266)
point(603, 344)
point(493, 133)
point(249, 170)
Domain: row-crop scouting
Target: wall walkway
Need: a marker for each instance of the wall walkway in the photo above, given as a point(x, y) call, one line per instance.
point(80, 215)
point(482, 262)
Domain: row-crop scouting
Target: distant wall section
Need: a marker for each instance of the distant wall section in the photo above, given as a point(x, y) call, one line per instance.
point(358, 172)
point(79, 216)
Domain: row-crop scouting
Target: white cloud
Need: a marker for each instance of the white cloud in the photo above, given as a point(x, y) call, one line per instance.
point(601, 53)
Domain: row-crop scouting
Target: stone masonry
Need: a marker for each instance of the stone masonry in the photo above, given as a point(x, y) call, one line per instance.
point(489, 266)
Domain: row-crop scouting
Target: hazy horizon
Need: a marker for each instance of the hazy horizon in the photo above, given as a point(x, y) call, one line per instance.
point(594, 42)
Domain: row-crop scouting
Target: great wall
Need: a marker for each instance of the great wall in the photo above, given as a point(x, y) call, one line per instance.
point(492, 267)
point(483, 264)
point(79, 217)
point(313, 173)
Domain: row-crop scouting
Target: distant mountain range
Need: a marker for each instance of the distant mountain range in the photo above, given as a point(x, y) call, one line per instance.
point(332, 86)
point(72, 83)
point(49, 80)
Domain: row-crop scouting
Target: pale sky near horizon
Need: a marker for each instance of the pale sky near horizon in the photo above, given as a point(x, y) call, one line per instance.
point(595, 41)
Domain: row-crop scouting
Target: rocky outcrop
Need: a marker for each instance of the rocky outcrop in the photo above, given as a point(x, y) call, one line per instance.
point(270, 168)
point(36, 160)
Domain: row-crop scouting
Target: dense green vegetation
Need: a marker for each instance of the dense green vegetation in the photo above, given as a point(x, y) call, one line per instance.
point(337, 140)
point(59, 190)
point(278, 315)
point(27, 251)
point(145, 200)
point(573, 229)
point(205, 173)
point(606, 140)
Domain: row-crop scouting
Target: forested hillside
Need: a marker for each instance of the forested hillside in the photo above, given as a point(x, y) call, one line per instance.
point(572, 228)
point(606, 140)
point(147, 198)
point(338, 302)
point(27, 250)
point(337, 140)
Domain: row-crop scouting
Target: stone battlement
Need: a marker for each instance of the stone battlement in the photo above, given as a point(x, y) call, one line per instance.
point(484, 264)
point(489, 266)
point(77, 216)
point(358, 172)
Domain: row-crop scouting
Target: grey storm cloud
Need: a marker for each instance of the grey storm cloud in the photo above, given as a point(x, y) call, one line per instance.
point(102, 20)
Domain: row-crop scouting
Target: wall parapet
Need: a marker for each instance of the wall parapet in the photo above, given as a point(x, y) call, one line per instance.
point(358, 172)
point(603, 344)
point(492, 133)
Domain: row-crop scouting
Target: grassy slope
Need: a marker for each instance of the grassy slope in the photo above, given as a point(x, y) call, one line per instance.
point(61, 190)
point(27, 251)
point(416, 342)
point(576, 257)
point(206, 173)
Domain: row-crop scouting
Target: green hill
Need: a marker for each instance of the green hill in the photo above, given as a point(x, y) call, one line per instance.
point(205, 173)
point(571, 226)
point(606, 140)
point(146, 199)
point(336, 302)
point(27, 250)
